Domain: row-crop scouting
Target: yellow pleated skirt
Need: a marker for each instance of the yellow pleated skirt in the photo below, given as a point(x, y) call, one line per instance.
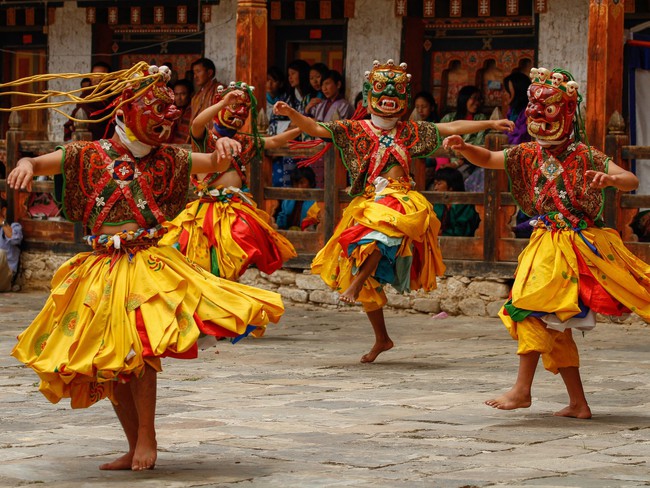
point(226, 237)
point(109, 314)
point(560, 267)
point(400, 223)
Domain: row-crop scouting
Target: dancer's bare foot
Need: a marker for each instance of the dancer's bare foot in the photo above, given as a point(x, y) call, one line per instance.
point(376, 350)
point(510, 400)
point(351, 294)
point(575, 411)
point(146, 453)
point(123, 462)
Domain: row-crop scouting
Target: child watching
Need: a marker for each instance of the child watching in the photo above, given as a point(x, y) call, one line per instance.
point(296, 214)
point(457, 219)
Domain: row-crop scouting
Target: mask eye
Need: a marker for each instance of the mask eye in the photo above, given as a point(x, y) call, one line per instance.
point(551, 110)
point(401, 88)
point(379, 86)
point(159, 108)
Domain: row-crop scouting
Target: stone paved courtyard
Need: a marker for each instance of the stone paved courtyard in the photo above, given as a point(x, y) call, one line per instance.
point(297, 409)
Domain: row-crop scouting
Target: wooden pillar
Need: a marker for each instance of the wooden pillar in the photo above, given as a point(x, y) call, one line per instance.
point(604, 67)
point(251, 67)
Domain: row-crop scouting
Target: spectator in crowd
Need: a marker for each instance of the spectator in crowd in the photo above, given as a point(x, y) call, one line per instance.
point(468, 107)
point(334, 107)
point(276, 90)
point(457, 219)
point(297, 214)
point(426, 109)
point(68, 127)
point(205, 84)
point(183, 100)
point(515, 94)
point(298, 96)
point(11, 236)
point(102, 129)
point(317, 73)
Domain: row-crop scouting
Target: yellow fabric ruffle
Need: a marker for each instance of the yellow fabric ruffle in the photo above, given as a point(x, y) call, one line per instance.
point(231, 258)
point(418, 224)
point(86, 337)
point(547, 276)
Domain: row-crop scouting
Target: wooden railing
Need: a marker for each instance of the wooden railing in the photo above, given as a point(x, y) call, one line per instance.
point(492, 252)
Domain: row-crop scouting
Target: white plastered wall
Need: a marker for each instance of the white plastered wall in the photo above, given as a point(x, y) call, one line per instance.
point(69, 51)
point(221, 38)
point(374, 33)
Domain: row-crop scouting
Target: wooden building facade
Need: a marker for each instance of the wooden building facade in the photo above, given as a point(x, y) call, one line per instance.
point(446, 44)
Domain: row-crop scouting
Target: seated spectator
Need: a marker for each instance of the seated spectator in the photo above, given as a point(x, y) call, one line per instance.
point(425, 107)
point(68, 127)
point(334, 107)
point(468, 107)
point(457, 219)
point(11, 236)
point(183, 100)
point(297, 214)
point(317, 73)
point(276, 91)
point(96, 111)
point(641, 225)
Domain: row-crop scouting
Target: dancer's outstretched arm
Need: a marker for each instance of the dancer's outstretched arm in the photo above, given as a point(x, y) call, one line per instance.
point(475, 154)
point(471, 126)
point(281, 139)
point(305, 124)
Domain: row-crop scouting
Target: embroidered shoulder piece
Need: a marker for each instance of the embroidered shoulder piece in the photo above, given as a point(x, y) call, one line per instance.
point(543, 183)
point(105, 183)
point(367, 150)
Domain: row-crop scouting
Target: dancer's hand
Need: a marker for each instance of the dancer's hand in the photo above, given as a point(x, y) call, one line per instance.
point(599, 179)
point(454, 143)
point(21, 176)
point(282, 108)
point(234, 96)
point(503, 125)
point(227, 148)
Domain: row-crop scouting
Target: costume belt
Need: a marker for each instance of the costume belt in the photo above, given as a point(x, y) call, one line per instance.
point(224, 193)
point(126, 241)
point(557, 221)
point(380, 184)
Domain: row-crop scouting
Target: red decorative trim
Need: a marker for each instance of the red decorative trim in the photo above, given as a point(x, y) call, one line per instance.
point(181, 14)
point(300, 9)
point(512, 7)
point(325, 9)
point(112, 16)
point(11, 16)
point(455, 8)
point(479, 23)
point(276, 10)
point(51, 15)
point(429, 8)
point(206, 14)
point(159, 15)
point(541, 6)
point(484, 8)
point(91, 15)
point(348, 8)
point(29, 16)
point(400, 8)
point(136, 16)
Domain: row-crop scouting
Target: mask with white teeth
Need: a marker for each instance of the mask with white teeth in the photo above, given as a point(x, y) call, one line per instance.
point(553, 99)
point(387, 90)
